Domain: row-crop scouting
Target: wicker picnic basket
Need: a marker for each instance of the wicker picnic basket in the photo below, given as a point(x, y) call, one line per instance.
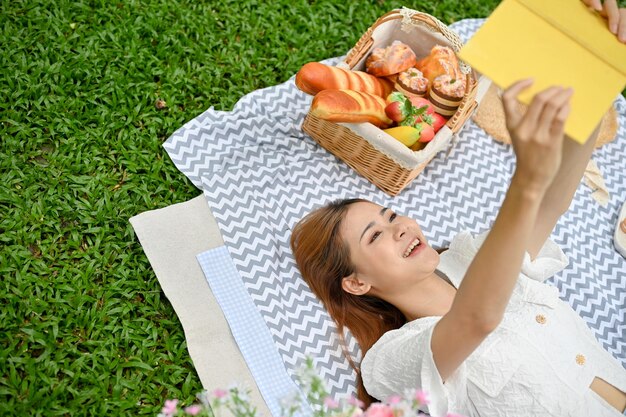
point(385, 162)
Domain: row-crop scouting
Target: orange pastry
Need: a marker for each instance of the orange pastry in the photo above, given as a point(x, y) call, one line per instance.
point(441, 60)
point(393, 59)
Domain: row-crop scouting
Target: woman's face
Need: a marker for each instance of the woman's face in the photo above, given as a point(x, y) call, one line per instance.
point(389, 252)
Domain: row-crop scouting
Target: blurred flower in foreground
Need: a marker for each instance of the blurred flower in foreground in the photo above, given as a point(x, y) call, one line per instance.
point(169, 409)
point(236, 400)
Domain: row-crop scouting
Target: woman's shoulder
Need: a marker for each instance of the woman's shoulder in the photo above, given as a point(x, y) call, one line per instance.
point(453, 262)
point(397, 350)
point(402, 360)
point(464, 246)
point(394, 339)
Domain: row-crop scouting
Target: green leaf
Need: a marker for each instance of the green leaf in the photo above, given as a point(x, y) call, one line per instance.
point(136, 364)
point(397, 96)
point(409, 121)
point(420, 111)
point(407, 107)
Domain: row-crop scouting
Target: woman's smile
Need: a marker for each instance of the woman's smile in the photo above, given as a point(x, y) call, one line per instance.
point(413, 249)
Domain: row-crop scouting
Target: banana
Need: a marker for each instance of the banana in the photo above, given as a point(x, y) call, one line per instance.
point(408, 135)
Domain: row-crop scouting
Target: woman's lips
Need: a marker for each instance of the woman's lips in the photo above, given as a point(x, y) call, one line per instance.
point(414, 247)
point(417, 250)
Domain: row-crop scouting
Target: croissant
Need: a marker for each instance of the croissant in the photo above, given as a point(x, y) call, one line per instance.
point(441, 61)
point(393, 59)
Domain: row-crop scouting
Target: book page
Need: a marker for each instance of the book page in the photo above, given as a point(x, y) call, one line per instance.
point(514, 43)
point(584, 26)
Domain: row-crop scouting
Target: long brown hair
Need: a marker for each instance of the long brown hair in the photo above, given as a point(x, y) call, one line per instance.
point(324, 260)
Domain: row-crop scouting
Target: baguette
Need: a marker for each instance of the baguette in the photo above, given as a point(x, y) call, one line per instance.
point(315, 77)
point(350, 106)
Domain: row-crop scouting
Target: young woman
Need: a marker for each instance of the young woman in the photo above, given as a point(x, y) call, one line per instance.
point(475, 326)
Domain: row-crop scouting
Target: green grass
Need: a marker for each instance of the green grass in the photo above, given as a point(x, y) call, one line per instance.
point(84, 326)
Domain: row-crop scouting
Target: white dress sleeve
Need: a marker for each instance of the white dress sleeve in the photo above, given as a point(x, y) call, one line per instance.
point(550, 260)
point(463, 248)
point(402, 360)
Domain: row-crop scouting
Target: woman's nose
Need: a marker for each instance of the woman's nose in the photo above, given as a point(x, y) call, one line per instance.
point(400, 230)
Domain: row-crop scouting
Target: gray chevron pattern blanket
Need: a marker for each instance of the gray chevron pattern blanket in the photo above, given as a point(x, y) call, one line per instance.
point(261, 174)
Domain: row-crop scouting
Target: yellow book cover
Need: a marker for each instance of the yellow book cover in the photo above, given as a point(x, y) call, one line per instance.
point(555, 42)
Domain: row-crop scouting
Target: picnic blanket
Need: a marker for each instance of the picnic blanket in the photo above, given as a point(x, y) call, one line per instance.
point(171, 237)
point(261, 174)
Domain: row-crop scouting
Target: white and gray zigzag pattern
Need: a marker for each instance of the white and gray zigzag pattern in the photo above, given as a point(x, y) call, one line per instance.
point(261, 174)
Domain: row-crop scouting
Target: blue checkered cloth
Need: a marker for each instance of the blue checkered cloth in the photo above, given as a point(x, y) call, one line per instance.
point(249, 330)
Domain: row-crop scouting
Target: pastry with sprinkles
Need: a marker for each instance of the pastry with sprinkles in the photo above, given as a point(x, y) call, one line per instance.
point(446, 94)
point(412, 83)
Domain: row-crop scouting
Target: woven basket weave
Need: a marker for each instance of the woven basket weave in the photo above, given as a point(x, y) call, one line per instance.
point(369, 158)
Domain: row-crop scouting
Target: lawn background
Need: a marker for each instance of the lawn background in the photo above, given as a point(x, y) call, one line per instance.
point(84, 326)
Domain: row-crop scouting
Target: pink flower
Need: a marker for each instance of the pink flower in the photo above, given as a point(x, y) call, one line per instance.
point(379, 410)
point(330, 403)
point(170, 407)
point(355, 402)
point(422, 397)
point(220, 393)
point(356, 412)
point(394, 399)
point(453, 415)
point(193, 410)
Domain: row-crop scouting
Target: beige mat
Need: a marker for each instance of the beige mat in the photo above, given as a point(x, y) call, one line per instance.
point(171, 238)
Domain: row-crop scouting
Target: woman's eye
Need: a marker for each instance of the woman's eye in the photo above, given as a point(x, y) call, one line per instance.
point(374, 236)
point(392, 217)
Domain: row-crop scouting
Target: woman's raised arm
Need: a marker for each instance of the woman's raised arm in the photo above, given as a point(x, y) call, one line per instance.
point(561, 192)
point(482, 297)
point(522, 222)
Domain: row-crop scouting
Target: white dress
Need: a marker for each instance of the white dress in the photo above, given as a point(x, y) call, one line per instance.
point(540, 361)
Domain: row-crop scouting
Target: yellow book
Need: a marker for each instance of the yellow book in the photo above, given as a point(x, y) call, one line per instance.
point(555, 42)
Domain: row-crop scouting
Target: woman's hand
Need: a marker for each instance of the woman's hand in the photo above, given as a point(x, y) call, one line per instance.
point(537, 135)
point(616, 17)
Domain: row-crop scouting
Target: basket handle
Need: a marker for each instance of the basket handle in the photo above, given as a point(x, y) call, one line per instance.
point(411, 17)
